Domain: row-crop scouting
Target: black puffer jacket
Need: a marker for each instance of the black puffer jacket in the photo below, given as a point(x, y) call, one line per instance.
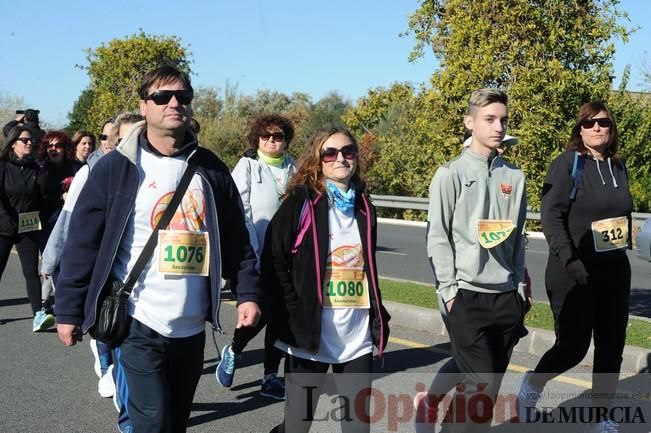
point(22, 189)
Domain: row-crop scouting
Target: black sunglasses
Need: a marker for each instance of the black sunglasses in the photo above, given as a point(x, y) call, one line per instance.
point(163, 97)
point(25, 140)
point(103, 137)
point(603, 122)
point(277, 136)
point(329, 154)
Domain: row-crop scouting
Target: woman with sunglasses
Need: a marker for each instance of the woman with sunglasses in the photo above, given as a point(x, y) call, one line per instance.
point(586, 217)
point(22, 194)
point(261, 177)
point(56, 149)
point(319, 264)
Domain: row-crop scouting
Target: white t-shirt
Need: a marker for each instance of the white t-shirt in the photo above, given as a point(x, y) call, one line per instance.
point(76, 186)
point(345, 321)
point(172, 305)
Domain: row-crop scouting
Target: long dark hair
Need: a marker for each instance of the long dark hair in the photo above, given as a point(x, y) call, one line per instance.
point(586, 112)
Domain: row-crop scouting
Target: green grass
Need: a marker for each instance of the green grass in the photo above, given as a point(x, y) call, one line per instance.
point(540, 316)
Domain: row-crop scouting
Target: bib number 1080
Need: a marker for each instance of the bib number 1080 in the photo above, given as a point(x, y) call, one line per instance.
point(184, 254)
point(351, 288)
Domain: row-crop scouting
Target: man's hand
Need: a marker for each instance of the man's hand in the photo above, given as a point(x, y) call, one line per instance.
point(20, 118)
point(68, 334)
point(248, 314)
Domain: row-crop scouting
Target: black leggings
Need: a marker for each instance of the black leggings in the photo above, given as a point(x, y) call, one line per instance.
point(304, 382)
point(600, 307)
point(27, 248)
point(272, 356)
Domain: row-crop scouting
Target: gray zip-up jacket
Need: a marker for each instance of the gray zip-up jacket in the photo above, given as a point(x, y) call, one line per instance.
point(467, 189)
point(260, 193)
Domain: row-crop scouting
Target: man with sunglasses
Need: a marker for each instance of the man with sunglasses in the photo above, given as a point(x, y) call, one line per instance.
point(475, 242)
point(159, 363)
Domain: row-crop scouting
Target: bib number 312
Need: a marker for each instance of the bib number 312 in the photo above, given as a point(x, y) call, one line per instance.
point(610, 234)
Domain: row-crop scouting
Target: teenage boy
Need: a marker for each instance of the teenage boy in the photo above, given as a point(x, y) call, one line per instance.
point(475, 241)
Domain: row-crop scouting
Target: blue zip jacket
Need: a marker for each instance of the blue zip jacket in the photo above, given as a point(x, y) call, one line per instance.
point(100, 216)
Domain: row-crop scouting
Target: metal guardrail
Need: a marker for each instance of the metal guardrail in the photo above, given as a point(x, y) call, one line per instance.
point(421, 203)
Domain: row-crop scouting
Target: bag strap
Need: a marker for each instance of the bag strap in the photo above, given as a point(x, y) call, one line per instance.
point(577, 172)
point(304, 223)
point(148, 250)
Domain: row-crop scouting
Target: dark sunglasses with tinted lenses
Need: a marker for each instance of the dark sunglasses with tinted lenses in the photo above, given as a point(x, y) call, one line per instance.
point(162, 97)
point(277, 136)
point(55, 146)
point(24, 140)
point(329, 154)
point(603, 122)
point(103, 137)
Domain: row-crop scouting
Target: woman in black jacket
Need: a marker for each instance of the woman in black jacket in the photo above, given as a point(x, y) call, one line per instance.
point(56, 155)
point(319, 263)
point(586, 217)
point(22, 184)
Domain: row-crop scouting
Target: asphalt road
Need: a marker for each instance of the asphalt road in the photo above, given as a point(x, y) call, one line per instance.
point(402, 255)
point(46, 387)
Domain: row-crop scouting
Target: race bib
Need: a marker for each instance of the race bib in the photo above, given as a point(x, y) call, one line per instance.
point(610, 234)
point(491, 233)
point(183, 253)
point(28, 222)
point(345, 288)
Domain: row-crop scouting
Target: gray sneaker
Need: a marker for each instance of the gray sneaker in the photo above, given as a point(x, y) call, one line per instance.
point(528, 396)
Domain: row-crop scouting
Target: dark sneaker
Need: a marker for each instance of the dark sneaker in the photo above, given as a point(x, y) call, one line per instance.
point(273, 386)
point(226, 367)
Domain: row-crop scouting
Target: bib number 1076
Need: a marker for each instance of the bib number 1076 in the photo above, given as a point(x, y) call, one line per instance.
point(184, 254)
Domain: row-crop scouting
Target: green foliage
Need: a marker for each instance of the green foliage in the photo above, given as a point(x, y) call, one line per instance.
point(116, 69)
point(633, 116)
point(551, 57)
point(225, 119)
point(78, 117)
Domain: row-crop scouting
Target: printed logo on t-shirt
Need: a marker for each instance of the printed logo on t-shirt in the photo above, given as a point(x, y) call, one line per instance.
point(506, 189)
point(190, 215)
point(345, 280)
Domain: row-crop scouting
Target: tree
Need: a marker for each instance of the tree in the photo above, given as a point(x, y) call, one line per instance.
point(551, 56)
point(633, 116)
point(116, 69)
point(78, 117)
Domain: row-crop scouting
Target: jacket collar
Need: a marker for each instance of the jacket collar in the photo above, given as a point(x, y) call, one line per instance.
point(129, 144)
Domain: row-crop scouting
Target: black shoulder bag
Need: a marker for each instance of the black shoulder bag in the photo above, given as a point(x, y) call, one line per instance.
point(112, 320)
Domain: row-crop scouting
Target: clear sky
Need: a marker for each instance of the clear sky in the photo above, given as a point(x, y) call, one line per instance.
point(284, 45)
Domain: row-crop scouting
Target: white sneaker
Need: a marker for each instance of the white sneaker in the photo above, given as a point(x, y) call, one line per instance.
point(424, 422)
point(97, 366)
point(106, 386)
point(528, 396)
point(608, 426)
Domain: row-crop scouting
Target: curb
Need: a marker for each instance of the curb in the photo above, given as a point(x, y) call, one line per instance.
point(537, 342)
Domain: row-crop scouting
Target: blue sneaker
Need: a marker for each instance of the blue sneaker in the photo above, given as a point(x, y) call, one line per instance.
point(226, 367)
point(42, 321)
